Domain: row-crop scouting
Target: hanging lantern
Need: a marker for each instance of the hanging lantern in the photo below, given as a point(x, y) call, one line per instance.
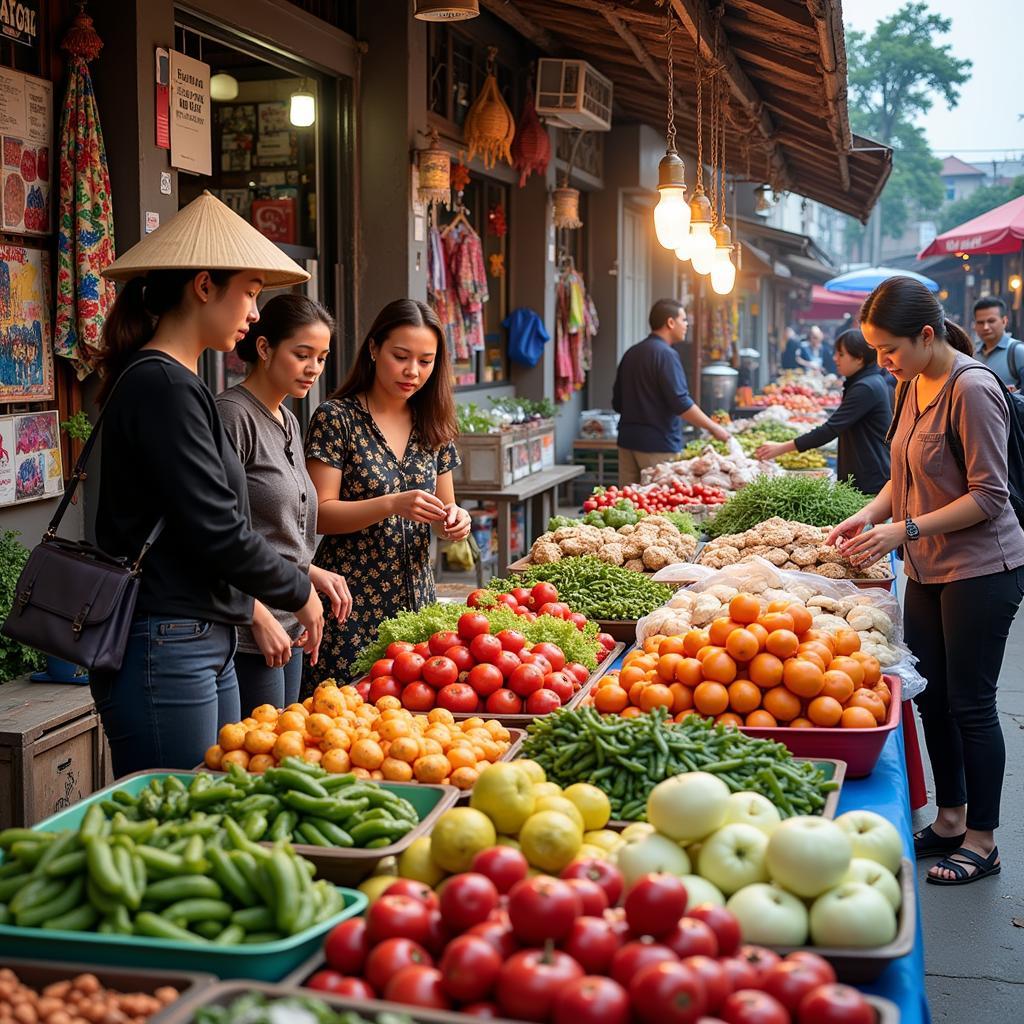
point(702, 242)
point(723, 272)
point(531, 148)
point(489, 126)
point(445, 10)
point(672, 214)
point(435, 165)
point(567, 208)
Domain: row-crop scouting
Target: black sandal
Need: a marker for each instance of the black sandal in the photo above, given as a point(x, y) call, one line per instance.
point(986, 866)
point(928, 843)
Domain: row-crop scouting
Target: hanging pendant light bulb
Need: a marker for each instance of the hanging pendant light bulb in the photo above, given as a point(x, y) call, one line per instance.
point(723, 272)
point(302, 108)
point(672, 214)
point(702, 242)
point(683, 250)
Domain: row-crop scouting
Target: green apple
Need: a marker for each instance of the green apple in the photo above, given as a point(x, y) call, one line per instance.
point(563, 805)
point(734, 857)
point(688, 806)
point(808, 855)
point(872, 873)
point(638, 830)
point(700, 890)
point(646, 855)
point(873, 838)
point(852, 914)
point(752, 809)
point(769, 916)
point(505, 794)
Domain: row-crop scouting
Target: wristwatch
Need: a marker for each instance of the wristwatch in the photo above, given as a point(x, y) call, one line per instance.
point(913, 530)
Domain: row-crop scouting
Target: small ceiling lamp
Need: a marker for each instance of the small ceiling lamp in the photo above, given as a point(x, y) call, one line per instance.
point(723, 270)
point(762, 200)
point(435, 173)
point(445, 10)
point(672, 214)
point(302, 108)
point(702, 241)
point(1015, 283)
point(723, 273)
point(223, 87)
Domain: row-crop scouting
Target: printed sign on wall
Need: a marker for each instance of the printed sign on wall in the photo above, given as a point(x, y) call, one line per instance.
point(191, 142)
point(26, 139)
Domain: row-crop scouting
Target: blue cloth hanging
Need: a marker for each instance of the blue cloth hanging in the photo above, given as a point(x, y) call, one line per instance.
point(526, 336)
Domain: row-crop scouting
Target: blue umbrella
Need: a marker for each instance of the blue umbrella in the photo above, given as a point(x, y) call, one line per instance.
point(868, 279)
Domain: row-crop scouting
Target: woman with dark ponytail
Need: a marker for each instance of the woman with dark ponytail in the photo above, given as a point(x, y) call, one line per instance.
point(286, 350)
point(964, 555)
point(168, 468)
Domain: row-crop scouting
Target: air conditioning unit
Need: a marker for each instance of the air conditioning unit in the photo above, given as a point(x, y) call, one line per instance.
point(572, 94)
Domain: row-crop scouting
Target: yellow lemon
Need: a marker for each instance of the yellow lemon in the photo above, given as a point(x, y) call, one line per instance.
point(593, 804)
point(550, 840)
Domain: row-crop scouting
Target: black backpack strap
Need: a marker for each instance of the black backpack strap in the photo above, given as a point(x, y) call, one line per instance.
point(79, 473)
point(1011, 359)
point(952, 437)
point(902, 390)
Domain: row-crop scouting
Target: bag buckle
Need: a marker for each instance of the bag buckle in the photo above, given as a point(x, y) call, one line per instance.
point(79, 623)
point(24, 596)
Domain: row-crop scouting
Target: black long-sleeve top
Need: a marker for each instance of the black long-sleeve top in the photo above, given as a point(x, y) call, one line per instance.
point(165, 452)
point(861, 423)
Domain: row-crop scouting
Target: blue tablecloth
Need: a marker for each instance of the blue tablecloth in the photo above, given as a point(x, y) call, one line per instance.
point(885, 791)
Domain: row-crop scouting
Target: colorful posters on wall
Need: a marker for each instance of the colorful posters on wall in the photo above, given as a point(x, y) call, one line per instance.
point(26, 344)
point(30, 464)
point(26, 134)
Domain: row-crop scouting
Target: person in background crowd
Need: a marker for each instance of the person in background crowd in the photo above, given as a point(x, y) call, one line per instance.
point(287, 351)
point(964, 557)
point(381, 456)
point(996, 348)
point(791, 350)
point(165, 454)
point(860, 422)
point(811, 355)
point(651, 396)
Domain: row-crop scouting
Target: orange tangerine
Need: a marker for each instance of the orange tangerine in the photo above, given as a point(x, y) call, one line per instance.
point(388, 704)
point(291, 721)
point(803, 678)
point(729, 718)
point(239, 757)
point(777, 620)
point(289, 744)
point(760, 632)
point(818, 647)
point(405, 748)
point(652, 643)
point(744, 608)
point(864, 698)
point(313, 755)
point(672, 645)
point(265, 713)
point(667, 665)
point(335, 761)
point(761, 719)
point(801, 723)
point(851, 667)
point(857, 718)
point(783, 643)
point(260, 741)
point(720, 630)
point(259, 763)
point(847, 641)
point(781, 703)
point(690, 672)
point(430, 746)
point(838, 686)
point(657, 695)
point(684, 715)
point(440, 715)
point(299, 709)
point(694, 641)
point(766, 670)
point(822, 637)
point(631, 712)
point(213, 757)
point(825, 711)
point(232, 737)
point(744, 696)
point(631, 675)
point(719, 668)
point(464, 778)
point(461, 757)
point(682, 698)
point(870, 664)
point(432, 768)
point(610, 700)
point(801, 617)
point(335, 739)
point(711, 698)
point(393, 728)
point(396, 771)
point(249, 723)
point(319, 724)
point(814, 657)
point(742, 645)
point(366, 754)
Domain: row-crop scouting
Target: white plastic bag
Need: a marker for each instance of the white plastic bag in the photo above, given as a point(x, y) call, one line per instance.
point(759, 576)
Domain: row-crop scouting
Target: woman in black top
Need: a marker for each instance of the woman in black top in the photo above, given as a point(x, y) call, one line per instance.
point(860, 422)
point(165, 454)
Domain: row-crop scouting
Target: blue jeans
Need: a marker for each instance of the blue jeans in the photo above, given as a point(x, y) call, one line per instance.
point(175, 689)
point(258, 684)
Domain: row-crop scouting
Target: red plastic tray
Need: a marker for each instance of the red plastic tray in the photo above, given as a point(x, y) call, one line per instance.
point(859, 748)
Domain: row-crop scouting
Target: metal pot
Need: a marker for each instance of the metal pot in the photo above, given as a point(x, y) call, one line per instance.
point(718, 383)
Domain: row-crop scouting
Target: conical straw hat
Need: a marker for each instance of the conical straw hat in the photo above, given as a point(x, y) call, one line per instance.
point(207, 235)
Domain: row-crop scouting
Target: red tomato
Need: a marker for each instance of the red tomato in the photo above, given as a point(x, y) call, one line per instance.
point(461, 656)
point(466, 900)
point(498, 934)
point(504, 702)
point(739, 972)
point(602, 872)
point(382, 667)
point(418, 986)
point(332, 981)
point(789, 981)
point(589, 505)
point(512, 640)
point(578, 620)
point(542, 702)
point(655, 904)
point(507, 663)
point(478, 598)
point(522, 595)
point(761, 959)
point(556, 609)
point(542, 908)
point(592, 943)
point(530, 980)
point(503, 865)
point(484, 1010)
point(384, 686)
point(396, 647)
point(606, 640)
point(634, 956)
point(390, 957)
point(835, 1004)
point(442, 640)
point(542, 593)
point(580, 672)
point(485, 647)
point(749, 1006)
point(347, 946)
point(690, 937)
point(818, 963)
point(723, 923)
point(363, 689)
point(414, 890)
point(423, 650)
point(457, 697)
point(397, 917)
point(408, 666)
point(473, 624)
point(349, 988)
point(469, 968)
point(591, 1000)
point(717, 985)
point(418, 697)
point(529, 658)
point(592, 897)
point(526, 679)
point(439, 671)
point(438, 935)
point(667, 993)
point(485, 679)
point(508, 600)
point(561, 685)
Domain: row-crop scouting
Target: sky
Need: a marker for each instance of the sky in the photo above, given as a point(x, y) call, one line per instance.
point(988, 32)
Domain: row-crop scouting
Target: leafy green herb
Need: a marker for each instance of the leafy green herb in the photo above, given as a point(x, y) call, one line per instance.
point(15, 658)
point(682, 521)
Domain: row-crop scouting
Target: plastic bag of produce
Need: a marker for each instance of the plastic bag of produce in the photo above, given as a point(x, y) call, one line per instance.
point(874, 613)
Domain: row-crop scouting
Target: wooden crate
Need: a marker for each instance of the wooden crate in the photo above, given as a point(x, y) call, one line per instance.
point(487, 459)
point(52, 750)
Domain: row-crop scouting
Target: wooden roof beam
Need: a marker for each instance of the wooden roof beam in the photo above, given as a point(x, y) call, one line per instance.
point(691, 13)
point(514, 18)
point(833, 63)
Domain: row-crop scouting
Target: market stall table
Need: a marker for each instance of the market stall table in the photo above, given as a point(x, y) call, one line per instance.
point(540, 490)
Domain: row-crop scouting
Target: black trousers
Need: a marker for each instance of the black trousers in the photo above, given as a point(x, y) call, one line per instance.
point(958, 631)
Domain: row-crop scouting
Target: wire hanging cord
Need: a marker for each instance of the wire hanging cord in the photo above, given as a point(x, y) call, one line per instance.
point(670, 127)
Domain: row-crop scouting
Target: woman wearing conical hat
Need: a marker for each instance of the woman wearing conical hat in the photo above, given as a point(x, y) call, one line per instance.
point(190, 286)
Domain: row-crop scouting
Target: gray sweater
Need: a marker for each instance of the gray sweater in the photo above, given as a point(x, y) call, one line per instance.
point(282, 499)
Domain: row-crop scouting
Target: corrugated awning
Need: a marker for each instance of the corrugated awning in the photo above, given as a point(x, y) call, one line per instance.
point(784, 63)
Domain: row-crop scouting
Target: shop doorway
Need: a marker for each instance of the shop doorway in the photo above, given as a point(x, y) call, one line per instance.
point(634, 276)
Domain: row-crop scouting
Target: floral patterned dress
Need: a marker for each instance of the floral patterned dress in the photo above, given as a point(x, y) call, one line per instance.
point(386, 565)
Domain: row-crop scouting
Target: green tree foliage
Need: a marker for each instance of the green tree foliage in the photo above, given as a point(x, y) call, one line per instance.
point(980, 201)
point(15, 658)
point(895, 74)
